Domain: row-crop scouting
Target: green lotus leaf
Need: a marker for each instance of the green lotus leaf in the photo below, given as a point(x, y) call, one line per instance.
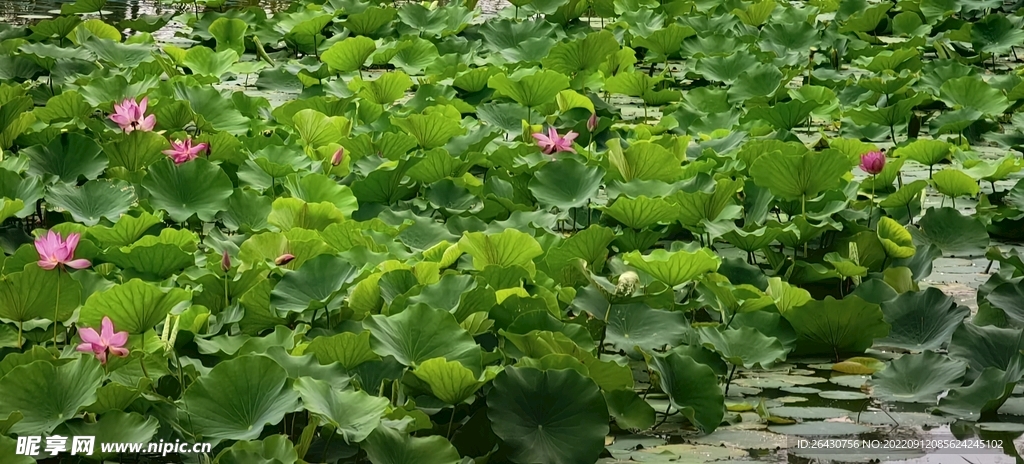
point(318, 129)
point(664, 42)
point(917, 378)
point(637, 325)
point(291, 213)
point(204, 61)
point(160, 256)
point(168, 185)
point(701, 207)
point(763, 80)
point(837, 327)
point(553, 416)
point(430, 130)
point(349, 54)
point(792, 177)
point(135, 306)
point(642, 212)
point(136, 150)
point(32, 294)
point(754, 240)
point(67, 157)
point(301, 243)
point(247, 211)
point(954, 233)
point(629, 410)
point(418, 334)
point(582, 55)
point(634, 84)
point(645, 161)
point(674, 268)
point(414, 54)
point(9, 208)
point(922, 320)
point(746, 347)
point(68, 106)
point(354, 414)
point(116, 425)
point(866, 20)
point(954, 183)
point(973, 93)
point(784, 116)
point(934, 10)
point(15, 187)
point(313, 285)
point(347, 349)
point(238, 397)
point(692, 389)
point(93, 201)
point(230, 34)
point(1008, 297)
point(389, 446)
point(726, 68)
point(986, 346)
point(48, 394)
point(906, 195)
point(530, 90)
point(450, 381)
point(508, 248)
point(384, 185)
point(984, 395)
point(124, 232)
point(995, 34)
point(384, 90)
point(369, 20)
point(895, 239)
point(213, 111)
point(566, 183)
point(275, 449)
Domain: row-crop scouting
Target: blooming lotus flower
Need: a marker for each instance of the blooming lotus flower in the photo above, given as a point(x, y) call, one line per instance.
point(130, 115)
point(103, 342)
point(554, 143)
point(338, 156)
point(55, 251)
point(872, 162)
point(284, 259)
point(184, 151)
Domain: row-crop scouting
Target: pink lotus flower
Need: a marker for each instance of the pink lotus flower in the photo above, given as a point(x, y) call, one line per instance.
point(105, 341)
point(592, 122)
point(554, 143)
point(225, 261)
point(284, 259)
point(184, 151)
point(872, 162)
point(55, 251)
point(338, 156)
point(132, 116)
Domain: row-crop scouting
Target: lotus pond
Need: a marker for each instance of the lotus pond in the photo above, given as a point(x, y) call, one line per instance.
point(569, 231)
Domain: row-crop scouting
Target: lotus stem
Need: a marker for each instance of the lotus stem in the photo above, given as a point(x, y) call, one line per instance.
point(56, 309)
point(871, 201)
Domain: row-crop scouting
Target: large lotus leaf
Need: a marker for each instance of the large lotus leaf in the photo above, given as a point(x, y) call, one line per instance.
point(973, 93)
point(644, 161)
point(32, 294)
point(761, 81)
point(934, 10)
point(638, 325)
point(27, 189)
point(237, 398)
point(112, 426)
point(895, 239)
point(389, 446)
point(530, 90)
point(954, 183)
point(566, 183)
point(67, 157)
point(642, 212)
point(745, 346)
point(692, 389)
point(68, 106)
point(135, 306)
point(211, 108)
point(792, 177)
point(634, 84)
point(590, 245)
point(581, 55)
point(47, 394)
point(318, 129)
point(229, 33)
point(354, 414)
point(954, 233)
point(313, 285)
point(430, 130)
point(925, 151)
point(506, 249)
point(922, 320)
point(984, 395)
point(1009, 297)
point(664, 42)
point(450, 381)
point(551, 416)
point(726, 68)
point(9, 208)
point(93, 201)
point(349, 54)
point(135, 150)
point(700, 206)
point(784, 116)
point(412, 55)
point(866, 20)
point(171, 188)
point(674, 268)
point(275, 449)
point(159, 256)
point(204, 61)
point(837, 327)
point(384, 90)
point(247, 211)
point(418, 334)
point(316, 187)
point(995, 34)
point(917, 378)
point(346, 348)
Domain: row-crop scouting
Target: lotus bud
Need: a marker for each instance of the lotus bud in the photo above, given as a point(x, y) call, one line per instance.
point(592, 122)
point(872, 162)
point(284, 259)
point(225, 261)
point(174, 331)
point(627, 284)
point(338, 157)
